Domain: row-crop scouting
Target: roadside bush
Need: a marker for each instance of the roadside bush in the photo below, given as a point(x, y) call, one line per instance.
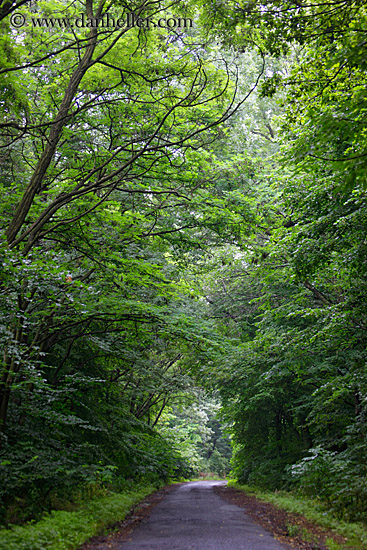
point(334, 478)
point(62, 530)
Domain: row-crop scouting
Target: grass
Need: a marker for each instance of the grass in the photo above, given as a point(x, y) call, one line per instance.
point(313, 510)
point(64, 530)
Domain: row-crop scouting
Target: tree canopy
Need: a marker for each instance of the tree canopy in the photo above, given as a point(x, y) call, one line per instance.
point(183, 246)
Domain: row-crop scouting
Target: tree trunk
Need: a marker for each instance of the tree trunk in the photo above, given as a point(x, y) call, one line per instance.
point(61, 119)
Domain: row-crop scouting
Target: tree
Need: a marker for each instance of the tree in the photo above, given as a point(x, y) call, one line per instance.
point(291, 300)
point(106, 199)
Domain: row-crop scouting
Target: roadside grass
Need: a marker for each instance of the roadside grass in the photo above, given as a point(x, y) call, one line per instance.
point(67, 530)
point(315, 511)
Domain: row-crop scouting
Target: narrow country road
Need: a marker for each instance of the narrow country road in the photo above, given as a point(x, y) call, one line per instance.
point(193, 517)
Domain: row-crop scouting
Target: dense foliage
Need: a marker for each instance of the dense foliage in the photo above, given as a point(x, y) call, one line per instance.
point(105, 189)
point(184, 208)
point(295, 388)
point(68, 529)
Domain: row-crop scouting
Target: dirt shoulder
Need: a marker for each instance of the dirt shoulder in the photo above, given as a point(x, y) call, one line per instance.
point(289, 528)
point(122, 530)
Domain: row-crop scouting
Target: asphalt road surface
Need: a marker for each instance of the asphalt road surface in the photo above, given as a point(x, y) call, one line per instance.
point(193, 517)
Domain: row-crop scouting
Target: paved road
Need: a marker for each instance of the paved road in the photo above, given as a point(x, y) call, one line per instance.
point(193, 517)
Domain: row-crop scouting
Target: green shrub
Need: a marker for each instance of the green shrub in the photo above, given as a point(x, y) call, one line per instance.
point(336, 479)
point(61, 530)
